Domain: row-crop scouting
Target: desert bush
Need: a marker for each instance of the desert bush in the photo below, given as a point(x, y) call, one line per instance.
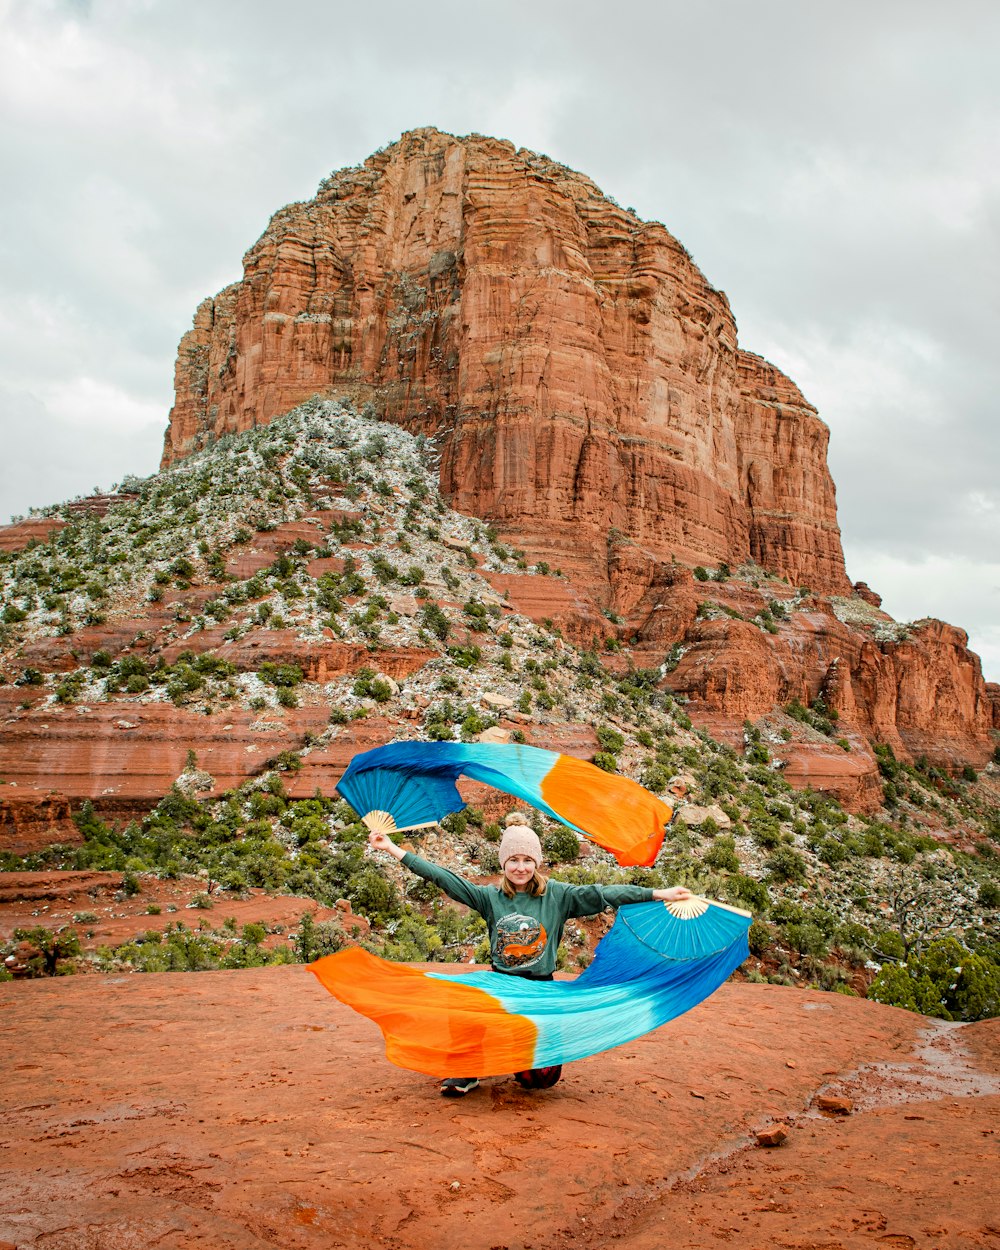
point(435, 620)
point(786, 864)
point(760, 938)
point(721, 855)
point(946, 981)
point(50, 954)
point(561, 846)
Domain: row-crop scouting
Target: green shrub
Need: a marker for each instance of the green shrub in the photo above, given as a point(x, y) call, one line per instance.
point(946, 981)
point(747, 892)
point(435, 620)
point(472, 725)
point(807, 938)
point(280, 675)
point(373, 894)
point(888, 765)
point(765, 831)
point(989, 894)
point(721, 855)
point(562, 846)
point(610, 739)
point(476, 612)
point(760, 938)
point(287, 762)
point(786, 864)
point(655, 777)
point(314, 940)
point(49, 953)
point(465, 657)
point(832, 852)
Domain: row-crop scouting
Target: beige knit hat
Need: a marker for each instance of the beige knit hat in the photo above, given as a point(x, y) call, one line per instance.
point(520, 840)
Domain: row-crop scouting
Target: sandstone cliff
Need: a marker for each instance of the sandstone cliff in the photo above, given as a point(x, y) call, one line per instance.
point(586, 394)
point(580, 374)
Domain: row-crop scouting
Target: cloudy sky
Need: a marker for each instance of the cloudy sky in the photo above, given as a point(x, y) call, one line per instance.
point(834, 168)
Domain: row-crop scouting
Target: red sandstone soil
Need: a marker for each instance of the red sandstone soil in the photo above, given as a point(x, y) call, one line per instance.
point(248, 1110)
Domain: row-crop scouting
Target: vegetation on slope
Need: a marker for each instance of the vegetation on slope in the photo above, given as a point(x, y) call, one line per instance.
point(839, 900)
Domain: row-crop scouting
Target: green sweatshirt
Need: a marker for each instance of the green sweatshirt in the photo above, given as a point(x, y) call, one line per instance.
point(525, 931)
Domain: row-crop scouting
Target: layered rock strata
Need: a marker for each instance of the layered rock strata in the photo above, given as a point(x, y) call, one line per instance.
point(922, 696)
point(580, 374)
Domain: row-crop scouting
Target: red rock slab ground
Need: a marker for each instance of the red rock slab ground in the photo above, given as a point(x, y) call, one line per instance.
point(248, 1109)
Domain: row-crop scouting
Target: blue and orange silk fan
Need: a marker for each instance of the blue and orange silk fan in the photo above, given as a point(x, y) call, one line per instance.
point(658, 961)
point(409, 785)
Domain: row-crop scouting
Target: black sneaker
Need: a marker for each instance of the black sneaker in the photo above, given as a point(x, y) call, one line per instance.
point(458, 1086)
point(539, 1078)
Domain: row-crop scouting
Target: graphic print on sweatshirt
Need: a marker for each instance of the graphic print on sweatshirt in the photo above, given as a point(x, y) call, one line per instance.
point(519, 942)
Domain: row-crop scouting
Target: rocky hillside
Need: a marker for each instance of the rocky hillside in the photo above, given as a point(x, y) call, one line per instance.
point(588, 398)
point(186, 675)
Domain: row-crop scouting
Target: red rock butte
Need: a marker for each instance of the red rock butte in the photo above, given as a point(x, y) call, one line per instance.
point(580, 375)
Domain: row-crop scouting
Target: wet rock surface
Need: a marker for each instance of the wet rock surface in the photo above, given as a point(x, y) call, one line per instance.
point(248, 1109)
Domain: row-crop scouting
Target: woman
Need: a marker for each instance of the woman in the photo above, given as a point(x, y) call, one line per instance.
point(525, 915)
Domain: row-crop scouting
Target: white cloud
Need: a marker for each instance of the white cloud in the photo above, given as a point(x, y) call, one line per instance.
point(70, 438)
point(94, 405)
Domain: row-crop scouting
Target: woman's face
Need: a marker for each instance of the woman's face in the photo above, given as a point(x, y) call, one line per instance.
point(519, 869)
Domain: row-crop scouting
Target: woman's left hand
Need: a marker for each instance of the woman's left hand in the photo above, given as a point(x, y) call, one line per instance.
point(673, 895)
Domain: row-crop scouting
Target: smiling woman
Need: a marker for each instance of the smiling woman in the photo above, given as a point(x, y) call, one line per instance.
point(525, 915)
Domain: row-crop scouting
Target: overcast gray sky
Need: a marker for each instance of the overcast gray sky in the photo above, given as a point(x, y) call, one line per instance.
point(834, 168)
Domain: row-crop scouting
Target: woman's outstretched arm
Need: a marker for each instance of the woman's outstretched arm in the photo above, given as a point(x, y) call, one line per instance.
point(456, 887)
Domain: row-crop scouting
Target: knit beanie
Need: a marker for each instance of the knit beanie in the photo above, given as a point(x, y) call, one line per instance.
point(520, 840)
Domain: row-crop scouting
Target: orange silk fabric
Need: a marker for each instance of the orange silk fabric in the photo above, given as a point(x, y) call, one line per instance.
point(621, 816)
point(461, 1030)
